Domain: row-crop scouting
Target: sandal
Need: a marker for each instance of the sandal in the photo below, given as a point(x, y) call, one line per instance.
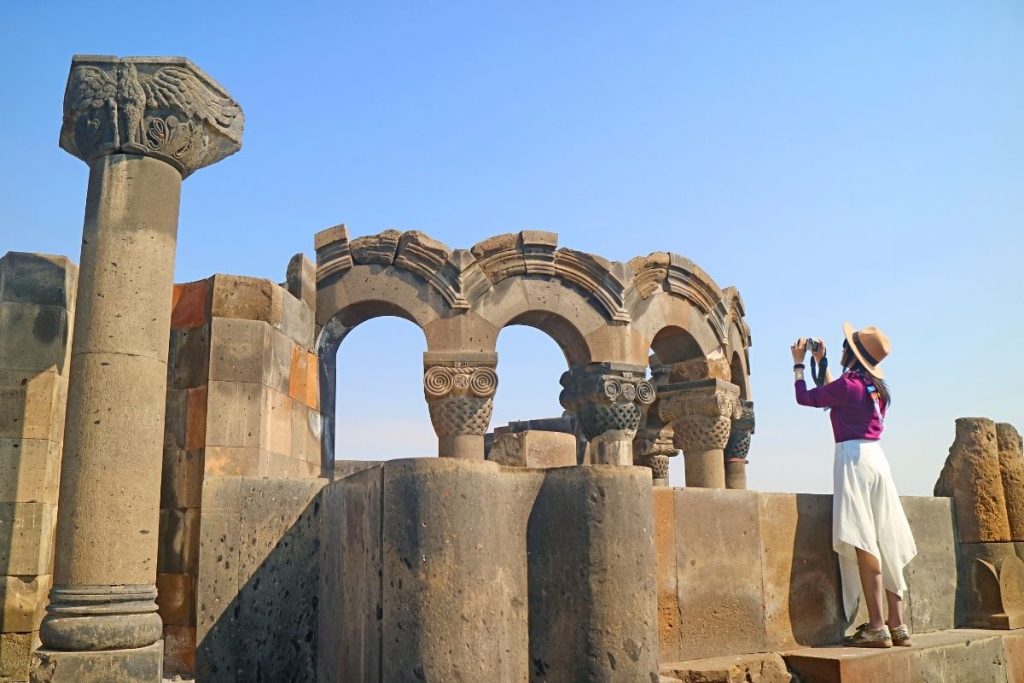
point(869, 637)
point(901, 636)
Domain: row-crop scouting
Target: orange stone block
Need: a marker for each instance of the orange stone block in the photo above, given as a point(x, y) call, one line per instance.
point(298, 374)
point(188, 304)
point(176, 598)
point(179, 650)
point(313, 382)
point(195, 418)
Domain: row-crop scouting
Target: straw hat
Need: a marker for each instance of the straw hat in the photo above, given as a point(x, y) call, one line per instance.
point(869, 345)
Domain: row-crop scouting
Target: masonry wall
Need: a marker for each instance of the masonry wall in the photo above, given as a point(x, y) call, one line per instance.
point(242, 400)
point(37, 303)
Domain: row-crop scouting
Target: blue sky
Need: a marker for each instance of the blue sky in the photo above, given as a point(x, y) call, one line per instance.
point(860, 162)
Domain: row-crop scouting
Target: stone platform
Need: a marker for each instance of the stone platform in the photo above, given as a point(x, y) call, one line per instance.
point(952, 656)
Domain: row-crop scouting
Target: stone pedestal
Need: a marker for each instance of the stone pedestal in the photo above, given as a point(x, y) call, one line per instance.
point(609, 401)
point(701, 414)
point(142, 125)
point(738, 446)
point(460, 394)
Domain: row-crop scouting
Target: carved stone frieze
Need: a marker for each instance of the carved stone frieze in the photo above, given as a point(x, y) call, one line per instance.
point(607, 397)
point(460, 398)
point(162, 107)
point(701, 413)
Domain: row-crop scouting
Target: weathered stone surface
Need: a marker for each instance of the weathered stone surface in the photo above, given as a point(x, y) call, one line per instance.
point(752, 668)
point(700, 369)
point(179, 650)
point(189, 357)
point(300, 276)
point(247, 298)
point(991, 586)
point(190, 304)
point(37, 279)
point(32, 404)
point(141, 665)
point(593, 593)
point(23, 598)
point(34, 336)
point(179, 541)
point(972, 476)
point(932, 574)
point(182, 481)
point(666, 573)
point(176, 598)
point(26, 538)
point(239, 350)
point(1011, 466)
point(29, 471)
point(533, 448)
point(346, 468)
point(297, 321)
point(235, 415)
point(15, 655)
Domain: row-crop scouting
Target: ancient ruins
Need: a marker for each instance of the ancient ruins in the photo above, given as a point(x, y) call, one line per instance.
point(172, 504)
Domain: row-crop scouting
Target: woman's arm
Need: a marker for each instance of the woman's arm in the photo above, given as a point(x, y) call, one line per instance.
point(829, 395)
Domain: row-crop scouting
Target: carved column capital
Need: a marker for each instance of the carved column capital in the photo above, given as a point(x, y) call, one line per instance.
point(162, 107)
point(701, 413)
point(460, 398)
point(606, 398)
point(739, 437)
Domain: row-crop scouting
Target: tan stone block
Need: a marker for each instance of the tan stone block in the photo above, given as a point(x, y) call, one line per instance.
point(235, 414)
point(280, 362)
point(700, 368)
point(181, 483)
point(239, 350)
point(33, 336)
point(278, 415)
point(744, 668)
point(300, 417)
point(285, 467)
point(247, 298)
point(27, 403)
point(314, 429)
point(195, 417)
point(15, 654)
point(37, 278)
point(178, 552)
point(549, 449)
point(176, 598)
point(29, 471)
point(313, 382)
point(24, 600)
point(26, 538)
point(179, 650)
point(231, 461)
point(665, 571)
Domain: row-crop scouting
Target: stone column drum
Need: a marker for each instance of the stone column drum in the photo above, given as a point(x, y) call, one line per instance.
point(609, 401)
point(738, 446)
point(460, 395)
point(142, 125)
point(702, 415)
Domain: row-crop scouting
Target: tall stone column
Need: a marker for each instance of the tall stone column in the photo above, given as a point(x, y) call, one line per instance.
point(460, 395)
point(738, 446)
point(142, 125)
point(701, 414)
point(609, 401)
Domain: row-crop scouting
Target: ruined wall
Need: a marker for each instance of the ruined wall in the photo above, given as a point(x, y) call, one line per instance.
point(37, 303)
point(242, 400)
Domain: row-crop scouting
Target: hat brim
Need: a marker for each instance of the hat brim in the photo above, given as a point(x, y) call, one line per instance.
point(873, 368)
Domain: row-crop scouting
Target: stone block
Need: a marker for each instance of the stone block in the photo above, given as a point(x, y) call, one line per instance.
point(175, 416)
point(33, 336)
point(802, 596)
point(15, 655)
point(239, 350)
point(700, 369)
point(29, 471)
point(931, 576)
point(666, 576)
point(297, 321)
point(278, 375)
point(195, 416)
point(217, 607)
point(278, 417)
point(346, 468)
point(313, 382)
point(990, 586)
point(287, 467)
point(181, 482)
point(178, 551)
point(298, 374)
point(190, 304)
point(24, 599)
point(31, 404)
point(179, 651)
point(534, 448)
point(246, 298)
point(591, 567)
point(26, 538)
point(299, 426)
point(1011, 466)
point(188, 360)
point(240, 461)
point(351, 599)
point(301, 279)
point(235, 414)
point(752, 668)
point(142, 665)
point(718, 550)
point(176, 598)
point(37, 279)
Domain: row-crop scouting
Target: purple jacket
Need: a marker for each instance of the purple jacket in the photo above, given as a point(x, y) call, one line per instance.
point(853, 411)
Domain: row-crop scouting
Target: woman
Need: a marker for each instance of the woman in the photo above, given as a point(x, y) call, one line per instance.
point(869, 528)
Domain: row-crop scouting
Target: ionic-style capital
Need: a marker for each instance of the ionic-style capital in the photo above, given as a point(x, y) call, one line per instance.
point(739, 437)
point(460, 397)
point(607, 397)
point(163, 107)
point(701, 413)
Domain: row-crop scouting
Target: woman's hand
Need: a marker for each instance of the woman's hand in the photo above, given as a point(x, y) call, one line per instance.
point(820, 353)
point(799, 349)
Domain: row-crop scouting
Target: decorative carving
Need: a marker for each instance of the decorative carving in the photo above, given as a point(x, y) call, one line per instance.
point(379, 249)
point(603, 280)
point(606, 397)
point(701, 413)
point(166, 108)
point(992, 586)
point(333, 255)
point(460, 398)
point(742, 428)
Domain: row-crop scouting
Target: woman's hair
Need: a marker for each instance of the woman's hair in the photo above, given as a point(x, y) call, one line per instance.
point(884, 395)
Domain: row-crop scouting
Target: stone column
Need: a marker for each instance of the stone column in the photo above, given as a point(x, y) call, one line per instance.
point(654, 444)
point(701, 414)
point(738, 446)
point(609, 401)
point(460, 395)
point(142, 125)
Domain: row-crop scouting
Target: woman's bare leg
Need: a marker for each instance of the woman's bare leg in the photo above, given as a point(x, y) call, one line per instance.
point(871, 581)
point(895, 609)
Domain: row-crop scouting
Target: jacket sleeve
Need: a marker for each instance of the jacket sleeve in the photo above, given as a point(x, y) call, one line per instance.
point(838, 393)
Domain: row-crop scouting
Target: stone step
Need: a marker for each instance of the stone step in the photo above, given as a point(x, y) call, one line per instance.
point(755, 668)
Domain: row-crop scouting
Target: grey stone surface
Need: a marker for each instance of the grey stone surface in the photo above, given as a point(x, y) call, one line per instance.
point(932, 575)
point(593, 612)
point(37, 279)
point(142, 665)
point(297, 321)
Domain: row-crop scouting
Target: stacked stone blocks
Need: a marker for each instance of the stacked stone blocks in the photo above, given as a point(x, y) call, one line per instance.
point(37, 303)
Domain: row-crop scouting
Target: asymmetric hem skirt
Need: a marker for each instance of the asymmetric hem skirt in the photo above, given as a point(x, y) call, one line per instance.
point(867, 514)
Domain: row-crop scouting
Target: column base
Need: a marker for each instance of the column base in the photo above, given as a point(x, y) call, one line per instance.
point(140, 665)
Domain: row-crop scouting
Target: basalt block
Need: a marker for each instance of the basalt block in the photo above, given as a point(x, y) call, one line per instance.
point(142, 665)
point(1011, 466)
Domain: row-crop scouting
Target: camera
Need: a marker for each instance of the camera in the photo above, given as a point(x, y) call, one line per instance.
point(813, 344)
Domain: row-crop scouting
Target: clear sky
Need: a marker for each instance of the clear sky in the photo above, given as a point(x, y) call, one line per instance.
point(835, 161)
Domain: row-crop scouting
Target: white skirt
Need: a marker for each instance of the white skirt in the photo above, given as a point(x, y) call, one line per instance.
point(867, 514)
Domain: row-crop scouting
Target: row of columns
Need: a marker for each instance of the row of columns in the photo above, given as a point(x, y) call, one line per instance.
point(625, 418)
